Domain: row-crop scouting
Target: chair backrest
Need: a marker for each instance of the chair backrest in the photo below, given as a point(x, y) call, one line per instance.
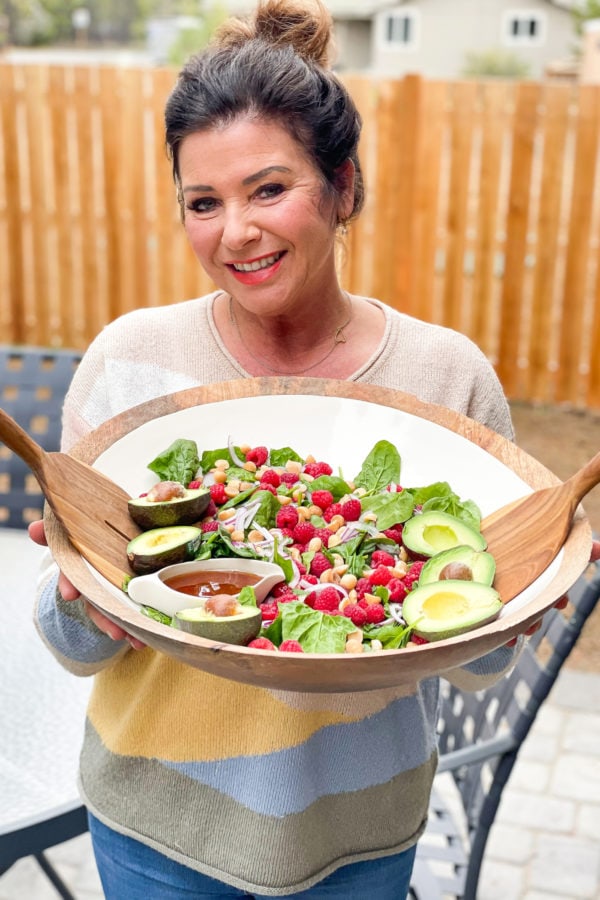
point(481, 734)
point(33, 384)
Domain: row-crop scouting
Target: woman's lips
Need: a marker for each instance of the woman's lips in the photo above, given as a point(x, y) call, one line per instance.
point(255, 271)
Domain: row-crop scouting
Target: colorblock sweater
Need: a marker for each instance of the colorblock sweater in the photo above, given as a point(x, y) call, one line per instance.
point(266, 790)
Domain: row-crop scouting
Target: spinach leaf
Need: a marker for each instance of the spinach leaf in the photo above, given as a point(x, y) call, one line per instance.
point(390, 508)
point(209, 457)
point(280, 457)
point(155, 614)
point(392, 637)
point(315, 631)
point(380, 468)
point(336, 486)
point(247, 596)
point(179, 462)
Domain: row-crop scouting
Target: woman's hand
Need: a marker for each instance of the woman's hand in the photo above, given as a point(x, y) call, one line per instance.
point(69, 592)
point(562, 601)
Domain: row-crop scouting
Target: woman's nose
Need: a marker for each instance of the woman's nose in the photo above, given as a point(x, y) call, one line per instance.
point(239, 229)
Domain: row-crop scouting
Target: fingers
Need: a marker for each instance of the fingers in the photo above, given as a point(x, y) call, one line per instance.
point(37, 533)
point(595, 555)
point(67, 590)
point(115, 632)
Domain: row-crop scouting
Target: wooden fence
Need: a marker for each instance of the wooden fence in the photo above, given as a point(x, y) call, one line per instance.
point(483, 214)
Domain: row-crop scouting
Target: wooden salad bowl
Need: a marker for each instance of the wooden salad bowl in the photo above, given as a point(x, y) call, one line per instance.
point(272, 408)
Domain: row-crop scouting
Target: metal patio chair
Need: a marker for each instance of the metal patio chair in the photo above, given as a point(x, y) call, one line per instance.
point(479, 740)
point(42, 707)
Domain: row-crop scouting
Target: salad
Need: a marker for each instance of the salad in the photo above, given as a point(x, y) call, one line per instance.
point(352, 550)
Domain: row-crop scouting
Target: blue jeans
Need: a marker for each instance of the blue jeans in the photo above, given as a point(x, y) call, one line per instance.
point(129, 870)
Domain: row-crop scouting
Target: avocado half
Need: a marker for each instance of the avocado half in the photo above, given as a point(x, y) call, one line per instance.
point(431, 532)
point(460, 563)
point(240, 628)
point(444, 609)
point(184, 510)
point(158, 547)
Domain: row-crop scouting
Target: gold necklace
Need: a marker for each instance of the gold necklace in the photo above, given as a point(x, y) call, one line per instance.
point(338, 338)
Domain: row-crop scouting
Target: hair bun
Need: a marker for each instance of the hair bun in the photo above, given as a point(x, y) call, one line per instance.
point(305, 25)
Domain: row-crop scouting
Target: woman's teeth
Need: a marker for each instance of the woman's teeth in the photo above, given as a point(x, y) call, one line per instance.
point(257, 264)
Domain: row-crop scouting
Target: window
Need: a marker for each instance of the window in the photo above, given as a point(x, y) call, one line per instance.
point(524, 28)
point(400, 29)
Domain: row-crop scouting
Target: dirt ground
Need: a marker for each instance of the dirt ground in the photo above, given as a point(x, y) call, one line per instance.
point(563, 440)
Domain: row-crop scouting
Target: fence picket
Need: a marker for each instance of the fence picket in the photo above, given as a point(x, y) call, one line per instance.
point(482, 213)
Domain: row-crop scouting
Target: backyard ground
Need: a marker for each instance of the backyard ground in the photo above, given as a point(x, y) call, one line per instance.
point(563, 440)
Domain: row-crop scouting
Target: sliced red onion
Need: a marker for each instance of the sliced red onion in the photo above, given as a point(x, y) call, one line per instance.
point(347, 532)
point(307, 586)
point(239, 462)
point(396, 611)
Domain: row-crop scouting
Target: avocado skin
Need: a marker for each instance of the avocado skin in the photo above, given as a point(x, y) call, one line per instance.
point(448, 531)
point(183, 511)
point(481, 564)
point(486, 606)
point(239, 629)
point(173, 544)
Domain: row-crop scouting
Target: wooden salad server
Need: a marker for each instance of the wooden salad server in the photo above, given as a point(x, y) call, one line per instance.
point(527, 534)
point(91, 508)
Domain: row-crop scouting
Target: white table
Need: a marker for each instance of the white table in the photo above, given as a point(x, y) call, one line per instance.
point(42, 707)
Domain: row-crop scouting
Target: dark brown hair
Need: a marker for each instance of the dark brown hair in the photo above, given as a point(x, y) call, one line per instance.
point(273, 65)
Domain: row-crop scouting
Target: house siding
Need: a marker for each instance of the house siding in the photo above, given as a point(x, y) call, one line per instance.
point(448, 31)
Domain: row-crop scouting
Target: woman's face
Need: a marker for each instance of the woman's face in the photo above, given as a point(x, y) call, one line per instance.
point(257, 216)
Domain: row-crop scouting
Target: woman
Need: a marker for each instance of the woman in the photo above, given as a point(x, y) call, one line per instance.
point(197, 786)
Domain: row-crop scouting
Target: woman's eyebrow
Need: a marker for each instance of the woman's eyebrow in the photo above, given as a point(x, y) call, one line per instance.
point(258, 175)
point(207, 188)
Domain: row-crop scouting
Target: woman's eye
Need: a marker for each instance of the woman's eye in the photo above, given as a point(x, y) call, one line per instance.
point(202, 205)
point(268, 191)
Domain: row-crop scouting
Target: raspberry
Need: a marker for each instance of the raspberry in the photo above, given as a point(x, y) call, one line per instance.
point(287, 533)
point(362, 587)
point(261, 643)
point(287, 517)
point(311, 579)
point(319, 564)
point(398, 589)
point(310, 599)
point(289, 478)
point(194, 485)
point(211, 509)
point(394, 533)
point(257, 455)
point(380, 575)
point(279, 589)
point(318, 468)
point(287, 597)
point(269, 610)
point(324, 534)
point(211, 525)
point(328, 600)
point(217, 494)
point(304, 532)
point(382, 558)
point(417, 639)
point(264, 486)
point(356, 614)
point(291, 647)
point(270, 476)
point(413, 574)
point(375, 614)
point(334, 510)
point(351, 510)
point(323, 499)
